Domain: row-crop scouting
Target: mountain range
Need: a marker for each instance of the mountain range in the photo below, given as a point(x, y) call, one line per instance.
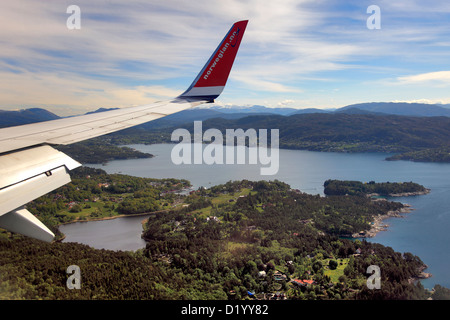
point(397, 108)
point(204, 112)
point(25, 116)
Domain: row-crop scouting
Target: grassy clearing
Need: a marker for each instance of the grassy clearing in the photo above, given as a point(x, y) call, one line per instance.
point(339, 271)
point(222, 199)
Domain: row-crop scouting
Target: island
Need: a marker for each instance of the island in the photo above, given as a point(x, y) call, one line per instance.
point(374, 189)
point(377, 192)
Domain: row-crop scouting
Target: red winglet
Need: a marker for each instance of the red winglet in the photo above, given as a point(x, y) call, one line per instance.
point(210, 82)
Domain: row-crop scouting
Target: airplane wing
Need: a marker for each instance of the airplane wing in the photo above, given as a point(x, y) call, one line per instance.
point(30, 167)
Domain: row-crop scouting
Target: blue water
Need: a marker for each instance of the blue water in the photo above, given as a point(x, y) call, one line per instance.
point(423, 232)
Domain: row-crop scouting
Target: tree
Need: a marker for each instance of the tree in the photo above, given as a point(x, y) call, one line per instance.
point(332, 264)
point(317, 266)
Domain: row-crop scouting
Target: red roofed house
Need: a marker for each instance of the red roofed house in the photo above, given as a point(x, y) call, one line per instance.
point(305, 282)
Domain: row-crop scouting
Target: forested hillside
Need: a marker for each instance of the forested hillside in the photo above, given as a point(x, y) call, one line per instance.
point(240, 240)
point(419, 138)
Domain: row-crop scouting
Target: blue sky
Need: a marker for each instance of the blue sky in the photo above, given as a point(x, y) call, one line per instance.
point(298, 54)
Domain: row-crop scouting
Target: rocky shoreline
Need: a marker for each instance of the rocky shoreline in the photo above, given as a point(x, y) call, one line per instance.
point(409, 194)
point(421, 274)
point(378, 225)
point(403, 194)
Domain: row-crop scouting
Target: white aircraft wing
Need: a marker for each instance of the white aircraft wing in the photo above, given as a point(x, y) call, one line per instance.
point(30, 167)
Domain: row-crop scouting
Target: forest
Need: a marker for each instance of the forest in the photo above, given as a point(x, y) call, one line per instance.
point(441, 154)
point(239, 240)
point(271, 238)
point(337, 187)
point(100, 150)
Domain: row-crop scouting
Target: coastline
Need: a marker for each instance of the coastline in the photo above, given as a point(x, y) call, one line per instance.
point(421, 274)
point(378, 225)
point(403, 194)
point(110, 217)
point(63, 236)
point(409, 194)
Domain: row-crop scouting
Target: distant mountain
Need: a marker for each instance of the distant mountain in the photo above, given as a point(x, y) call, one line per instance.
point(353, 110)
point(395, 108)
point(25, 116)
point(380, 108)
point(196, 114)
point(401, 108)
point(101, 110)
point(205, 112)
point(311, 110)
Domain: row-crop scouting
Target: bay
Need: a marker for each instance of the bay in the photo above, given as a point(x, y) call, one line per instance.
point(423, 232)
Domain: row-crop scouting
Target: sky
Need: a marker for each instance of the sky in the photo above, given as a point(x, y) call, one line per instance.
point(296, 54)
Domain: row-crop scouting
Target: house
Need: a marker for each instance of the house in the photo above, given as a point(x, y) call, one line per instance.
point(302, 283)
point(213, 218)
point(278, 276)
point(71, 204)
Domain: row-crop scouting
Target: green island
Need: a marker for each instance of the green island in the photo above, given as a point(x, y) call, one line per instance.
point(239, 240)
point(372, 188)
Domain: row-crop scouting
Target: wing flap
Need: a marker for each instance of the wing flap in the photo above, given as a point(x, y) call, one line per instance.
point(23, 222)
point(28, 163)
point(34, 172)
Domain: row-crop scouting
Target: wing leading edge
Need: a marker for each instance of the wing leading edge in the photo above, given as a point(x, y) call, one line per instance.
point(30, 167)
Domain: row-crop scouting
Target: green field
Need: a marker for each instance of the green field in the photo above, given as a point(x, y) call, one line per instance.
point(339, 271)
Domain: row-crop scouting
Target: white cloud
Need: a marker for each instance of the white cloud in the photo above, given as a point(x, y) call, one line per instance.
point(285, 103)
point(426, 101)
point(134, 52)
point(74, 94)
point(437, 77)
point(256, 83)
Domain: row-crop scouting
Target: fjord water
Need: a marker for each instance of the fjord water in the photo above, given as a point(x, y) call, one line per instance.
point(423, 232)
